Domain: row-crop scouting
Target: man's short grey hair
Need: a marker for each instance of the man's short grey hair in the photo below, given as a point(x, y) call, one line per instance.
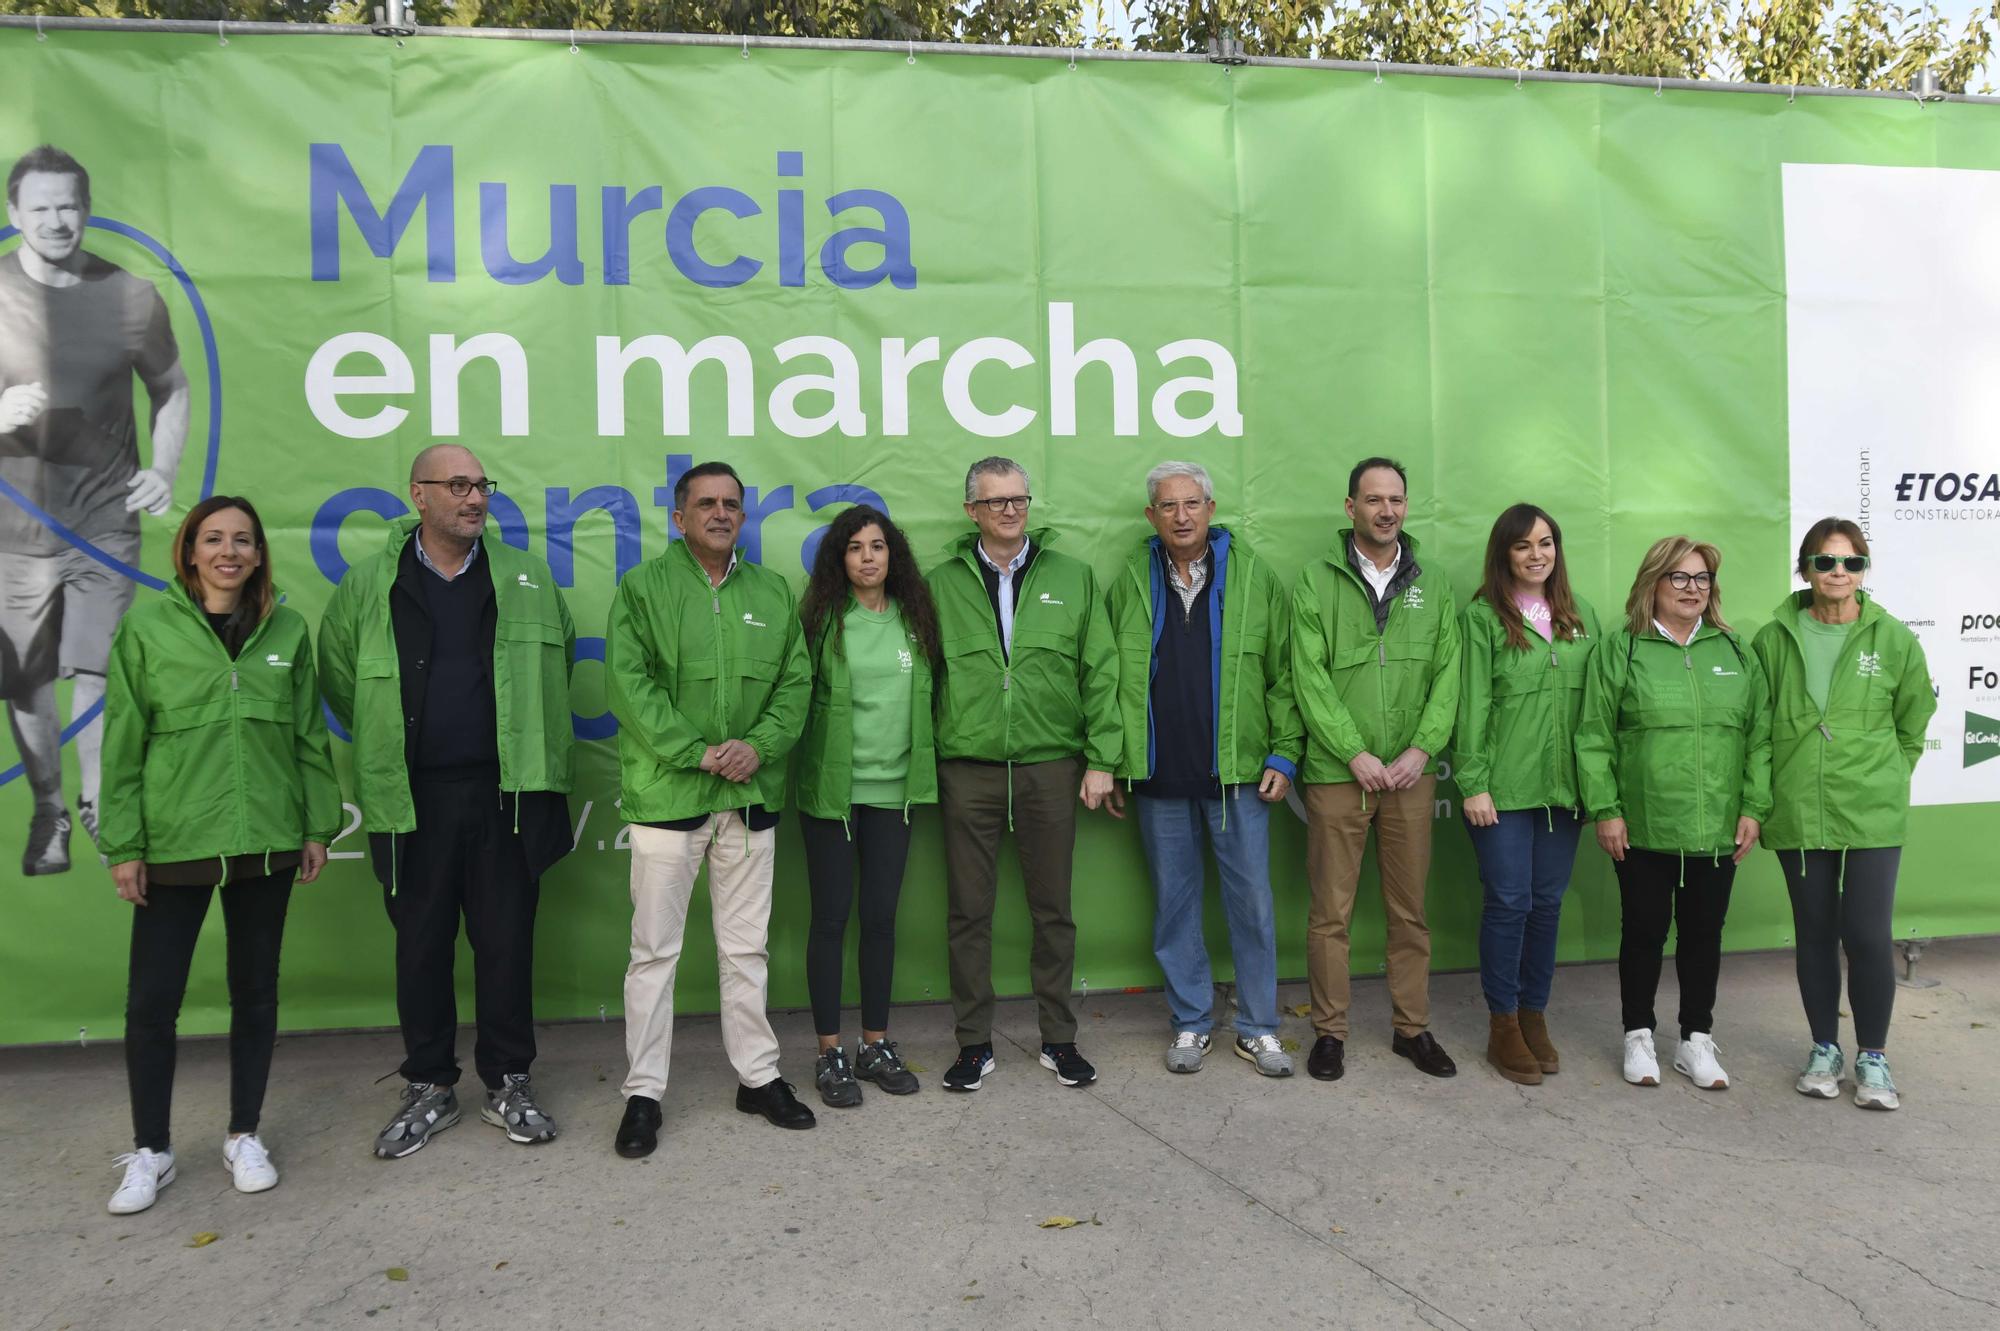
point(1168, 470)
point(993, 466)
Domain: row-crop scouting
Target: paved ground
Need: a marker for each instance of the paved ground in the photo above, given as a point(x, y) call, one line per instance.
point(1386, 1200)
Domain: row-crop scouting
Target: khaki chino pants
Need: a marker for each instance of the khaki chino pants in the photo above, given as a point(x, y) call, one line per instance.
point(1338, 817)
point(664, 866)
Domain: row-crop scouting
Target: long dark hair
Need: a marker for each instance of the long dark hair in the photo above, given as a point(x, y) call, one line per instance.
point(827, 590)
point(1496, 586)
point(258, 599)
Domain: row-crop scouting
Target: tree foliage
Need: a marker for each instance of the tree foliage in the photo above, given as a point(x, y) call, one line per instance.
point(1829, 43)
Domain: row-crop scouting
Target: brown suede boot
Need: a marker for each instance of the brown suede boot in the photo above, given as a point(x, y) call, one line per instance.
point(1535, 1031)
point(1508, 1052)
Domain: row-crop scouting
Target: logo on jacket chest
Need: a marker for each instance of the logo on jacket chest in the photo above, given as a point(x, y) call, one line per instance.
point(1868, 664)
point(277, 662)
point(753, 621)
point(1049, 600)
point(1413, 598)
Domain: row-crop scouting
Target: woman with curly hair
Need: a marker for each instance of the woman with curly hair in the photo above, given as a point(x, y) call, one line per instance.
point(865, 758)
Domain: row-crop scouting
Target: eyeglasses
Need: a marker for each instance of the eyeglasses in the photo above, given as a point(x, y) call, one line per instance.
point(1006, 504)
point(462, 487)
point(1699, 581)
point(1852, 563)
point(1173, 508)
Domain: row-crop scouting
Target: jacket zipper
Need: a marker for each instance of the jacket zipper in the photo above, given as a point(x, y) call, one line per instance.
point(1700, 766)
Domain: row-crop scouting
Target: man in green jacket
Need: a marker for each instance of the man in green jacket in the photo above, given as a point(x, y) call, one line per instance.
point(447, 658)
point(707, 672)
point(1027, 713)
point(1375, 670)
point(1211, 738)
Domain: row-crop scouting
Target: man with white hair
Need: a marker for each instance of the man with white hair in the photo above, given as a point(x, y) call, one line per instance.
point(1211, 737)
point(1027, 714)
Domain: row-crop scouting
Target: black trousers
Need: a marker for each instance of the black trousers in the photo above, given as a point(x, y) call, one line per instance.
point(881, 845)
point(464, 858)
point(1845, 901)
point(1691, 893)
point(164, 932)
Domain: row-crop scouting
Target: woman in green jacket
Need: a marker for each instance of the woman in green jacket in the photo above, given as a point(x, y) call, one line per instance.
point(1526, 641)
point(866, 756)
point(1851, 698)
point(1673, 760)
point(216, 773)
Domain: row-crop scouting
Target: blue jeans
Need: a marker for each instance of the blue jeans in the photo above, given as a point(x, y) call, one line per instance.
point(1237, 826)
point(1524, 864)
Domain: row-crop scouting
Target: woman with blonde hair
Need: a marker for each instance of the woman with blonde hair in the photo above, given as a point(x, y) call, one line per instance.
point(216, 774)
point(1673, 755)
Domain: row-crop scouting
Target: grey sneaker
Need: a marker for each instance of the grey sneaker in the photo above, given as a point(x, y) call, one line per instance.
point(1186, 1052)
point(426, 1109)
point(513, 1110)
point(86, 817)
point(880, 1063)
point(1873, 1087)
point(1821, 1078)
point(47, 849)
point(1266, 1055)
point(835, 1078)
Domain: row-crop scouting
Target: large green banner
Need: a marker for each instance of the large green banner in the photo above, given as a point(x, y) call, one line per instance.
point(850, 274)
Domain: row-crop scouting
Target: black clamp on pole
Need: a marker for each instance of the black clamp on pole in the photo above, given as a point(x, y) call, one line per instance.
point(392, 19)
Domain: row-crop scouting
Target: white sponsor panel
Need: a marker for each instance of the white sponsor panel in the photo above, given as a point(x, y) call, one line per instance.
point(1893, 328)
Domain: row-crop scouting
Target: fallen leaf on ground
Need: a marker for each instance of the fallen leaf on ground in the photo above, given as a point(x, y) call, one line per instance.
point(1978, 1025)
point(1299, 1009)
point(1094, 1220)
point(1289, 1046)
point(1059, 1222)
point(203, 1239)
point(498, 1265)
point(397, 1273)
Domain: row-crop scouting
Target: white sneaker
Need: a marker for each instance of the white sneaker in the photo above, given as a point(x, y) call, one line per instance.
point(1696, 1061)
point(249, 1163)
point(1642, 1065)
point(146, 1172)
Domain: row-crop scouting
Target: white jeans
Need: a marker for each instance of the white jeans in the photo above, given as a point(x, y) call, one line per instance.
point(664, 866)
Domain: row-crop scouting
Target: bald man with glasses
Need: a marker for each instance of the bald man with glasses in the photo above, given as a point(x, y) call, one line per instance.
point(447, 658)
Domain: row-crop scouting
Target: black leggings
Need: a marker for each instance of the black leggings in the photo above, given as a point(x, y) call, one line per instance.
point(882, 842)
point(1657, 888)
point(164, 931)
point(1836, 906)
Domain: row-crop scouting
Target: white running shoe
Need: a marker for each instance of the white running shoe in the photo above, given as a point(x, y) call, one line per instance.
point(249, 1163)
point(1821, 1078)
point(1697, 1062)
point(1642, 1065)
point(146, 1172)
point(1873, 1087)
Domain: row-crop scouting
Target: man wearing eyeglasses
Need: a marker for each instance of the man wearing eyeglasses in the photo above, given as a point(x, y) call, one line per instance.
point(1027, 724)
point(447, 658)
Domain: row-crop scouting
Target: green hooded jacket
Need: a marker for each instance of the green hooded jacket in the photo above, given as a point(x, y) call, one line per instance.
point(825, 786)
point(689, 665)
point(1358, 687)
point(1058, 695)
point(1256, 722)
point(534, 640)
point(1675, 740)
point(1517, 711)
point(205, 756)
point(1840, 779)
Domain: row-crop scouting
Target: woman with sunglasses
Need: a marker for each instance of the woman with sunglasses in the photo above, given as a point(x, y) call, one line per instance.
point(1851, 698)
point(864, 759)
point(1528, 640)
point(216, 774)
point(1673, 757)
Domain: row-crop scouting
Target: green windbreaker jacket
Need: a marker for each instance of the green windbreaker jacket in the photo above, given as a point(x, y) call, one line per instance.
point(209, 757)
point(1517, 712)
point(1675, 740)
point(825, 786)
point(1360, 688)
point(1840, 779)
point(689, 665)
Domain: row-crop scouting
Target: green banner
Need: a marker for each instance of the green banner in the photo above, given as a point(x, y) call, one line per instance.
point(851, 274)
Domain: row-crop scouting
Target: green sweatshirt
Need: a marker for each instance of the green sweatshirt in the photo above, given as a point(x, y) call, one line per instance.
point(1057, 697)
point(205, 756)
point(689, 665)
point(361, 672)
point(832, 747)
point(1517, 711)
point(1358, 687)
point(1841, 773)
point(1675, 740)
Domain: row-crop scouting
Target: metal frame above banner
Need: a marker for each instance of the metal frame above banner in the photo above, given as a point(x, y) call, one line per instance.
point(576, 38)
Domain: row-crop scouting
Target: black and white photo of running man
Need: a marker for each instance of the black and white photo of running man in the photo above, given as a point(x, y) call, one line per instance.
point(75, 330)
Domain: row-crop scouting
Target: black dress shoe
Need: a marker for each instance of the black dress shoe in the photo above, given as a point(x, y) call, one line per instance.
point(639, 1130)
point(1328, 1058)
point(1424, 1050)
point(775, 1101)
